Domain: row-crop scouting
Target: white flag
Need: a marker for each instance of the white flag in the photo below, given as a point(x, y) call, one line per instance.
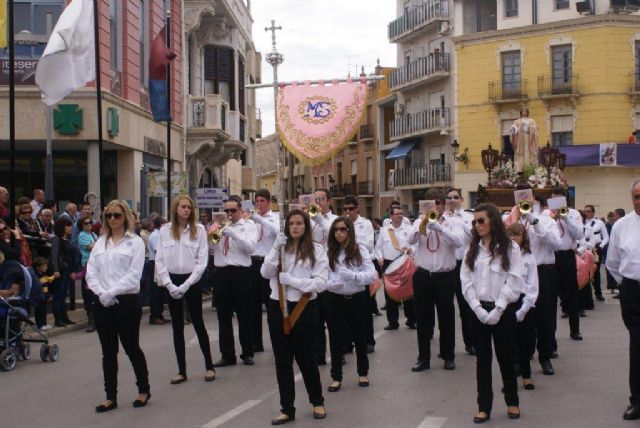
point(68, 61)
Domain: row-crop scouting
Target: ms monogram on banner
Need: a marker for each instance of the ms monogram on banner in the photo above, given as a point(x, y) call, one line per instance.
point(317, 109)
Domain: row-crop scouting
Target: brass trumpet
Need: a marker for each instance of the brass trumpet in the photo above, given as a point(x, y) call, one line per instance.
point(525, 207)
point(431, 216)
point(563, 211)
point(216, 236)
point(313, 210)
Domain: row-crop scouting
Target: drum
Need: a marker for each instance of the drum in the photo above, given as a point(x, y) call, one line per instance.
point(586, 267)
point(398, 278)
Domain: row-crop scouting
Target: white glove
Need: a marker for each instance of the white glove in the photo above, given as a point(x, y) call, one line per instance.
point(286, 278)
point(494, 316)
point(520, 314)
point(174, 291)
point(317, 218)
point(434, 226)
point(481, 313)
point(280, 241)
point(184, 288)
point(334, 285)
point(230, 232)
point(530, 218)
point(107, 299)
point(346, 274)
point(257, 218)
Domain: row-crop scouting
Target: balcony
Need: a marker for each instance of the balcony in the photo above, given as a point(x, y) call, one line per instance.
point(507, 92)
point(421, 176)
point(430, 68)
point(362, 188)
point(237, 126)
point(421, 123)
point(365, 188)
point(424, 16)
point(208, 116)
point(634, 84)
point(366, 132)
point(550, 87)
point(478, 23)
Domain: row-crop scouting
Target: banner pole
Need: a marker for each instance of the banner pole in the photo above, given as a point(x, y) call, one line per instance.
point(96, 36)
point(12, 119)
point(168, 35)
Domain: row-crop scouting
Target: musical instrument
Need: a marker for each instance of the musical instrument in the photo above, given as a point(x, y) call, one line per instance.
point(398, 278)
point(585, 268)
point(525, 207)
point(313, 210)
point(216, 236)
point(431, 216)
point(563, 212)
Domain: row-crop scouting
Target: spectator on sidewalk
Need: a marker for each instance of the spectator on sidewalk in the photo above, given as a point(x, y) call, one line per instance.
point(62, 266)
point(4, 204)
point(10, 242)
point(86, 241)
point(45, 223)
point(37, 202)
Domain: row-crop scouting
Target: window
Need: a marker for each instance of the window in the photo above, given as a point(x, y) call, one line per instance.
point(241, 85)
point(562, 4)
point(510, 8)
point(144, 42)
point(37, 17)
point(354, 167)
point(561, 74)
point(114, 46)
point(511, 69)
point(562, 130)
point(637, 67)
point(218, 72)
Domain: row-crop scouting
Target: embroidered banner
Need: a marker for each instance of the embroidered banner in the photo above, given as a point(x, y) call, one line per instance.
point(316, 122)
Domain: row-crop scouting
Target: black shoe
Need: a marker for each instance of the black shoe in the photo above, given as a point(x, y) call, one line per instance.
point(481, 419)
point(334, 388)
point(371, 349)
point(320, 415)
point(363, 383)
point(90, 328)
point(102, 408)
point(547, 368)
point(583, 314)
point(139, 403)
point(529, 386)
point(391, 327)
point(224, 363)
point(617, 296)
point(421, 366)
point(377, 313)
point(411, 325)
point(513, 415)
point(157, 321)
point(248, 361)
point(470, 350)
point(590, 308)
point(282, 419)
point(632, 413)
point(576, 336)
point(554, 355)
point(178, 380)
point(600, 298)
point(449, 365)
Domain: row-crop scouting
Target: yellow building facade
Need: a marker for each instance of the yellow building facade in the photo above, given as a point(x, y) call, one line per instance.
point(595, 103)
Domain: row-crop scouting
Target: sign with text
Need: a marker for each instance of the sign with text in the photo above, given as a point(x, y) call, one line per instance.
point(211, 197)
point(25, 71)
point(157, 184)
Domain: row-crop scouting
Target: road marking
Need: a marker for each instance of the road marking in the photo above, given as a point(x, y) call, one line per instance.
point(232, 414)
point(432, 422)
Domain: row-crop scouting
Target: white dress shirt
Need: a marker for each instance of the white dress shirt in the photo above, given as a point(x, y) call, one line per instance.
point(320, 224)
point(184, 256)
point(466, 218)
point(364, 274)
point(595, 233)
point(387, 221)
point(436, 250)
point(365, 234)
point(488, 282)
point(116, 267)
point(35, 208)
point(544, 238)
point(314, 279)
point(571, 230)
point(235, 248)
point(384, 247)
point(267, 228)
point(623, 255)
point(530, 281)
point(153, 244)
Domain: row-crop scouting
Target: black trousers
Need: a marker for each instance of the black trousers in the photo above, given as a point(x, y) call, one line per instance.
point(525, 341)
point(568, 287)
point(393, 312)
point(260, 291)
point(435, 290)
point(612, 284)
point(121, 321)
point(463, 307)
point(372, 307)
point(503, 335)
point(193, 299)
point(297, 344)
point(320, 343)
point(630, 306)
point(157, 296)
point(233, 293)
point(348, 315)
point(597, 286)
point(546, 311)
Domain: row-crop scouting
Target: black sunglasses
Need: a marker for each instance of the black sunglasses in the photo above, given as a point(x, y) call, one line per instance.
point(453, 198)
point(87, 223)
point(116, 216)
point(341, 229)
point(348, 208)
point(231, 210)
point(480, 221)
point(636, 197)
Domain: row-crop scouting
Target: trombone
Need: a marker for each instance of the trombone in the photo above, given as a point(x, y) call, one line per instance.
point(525, 207)
point(216, 236)
point(431, 216)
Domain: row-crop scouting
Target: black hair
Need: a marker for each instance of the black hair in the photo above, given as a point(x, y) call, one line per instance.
point(263, 193)
point(236, 199)
point(559, 191)
point(350, 199)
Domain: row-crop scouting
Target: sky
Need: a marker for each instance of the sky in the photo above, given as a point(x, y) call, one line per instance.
point(320, 39)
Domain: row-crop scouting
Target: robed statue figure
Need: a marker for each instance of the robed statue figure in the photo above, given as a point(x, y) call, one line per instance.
point(524, 139)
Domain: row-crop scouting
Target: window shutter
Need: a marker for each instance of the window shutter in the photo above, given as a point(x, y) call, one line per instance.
point(562, 123)
point(224, 59)
point(209, 63)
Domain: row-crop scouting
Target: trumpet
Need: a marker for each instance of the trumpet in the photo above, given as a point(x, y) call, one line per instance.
point(563, 211)
point(431, 216)
point(313, 210)
point(525, 207)
point(216, 236)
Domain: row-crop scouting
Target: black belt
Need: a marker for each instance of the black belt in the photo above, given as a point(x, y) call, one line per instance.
point(632, 281)
point(487, 305)
point(257, 258)
point(447, 272)
point(351, 296)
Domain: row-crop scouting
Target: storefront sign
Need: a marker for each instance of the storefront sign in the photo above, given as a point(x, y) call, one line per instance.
point(25, 71)
point(211, 197)
point(157, 184)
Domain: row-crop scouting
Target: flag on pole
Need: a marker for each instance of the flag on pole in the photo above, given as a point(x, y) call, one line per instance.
point(68, 61)
point(159, 58)
point(3, 24)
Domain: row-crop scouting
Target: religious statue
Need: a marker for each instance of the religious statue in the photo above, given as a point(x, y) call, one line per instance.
point(524, 139)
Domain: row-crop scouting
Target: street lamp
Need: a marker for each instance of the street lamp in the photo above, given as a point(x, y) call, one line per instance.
point(562, 161)
point(299, 189)
point(548, 157)
point(464, 157)
point(489, 160)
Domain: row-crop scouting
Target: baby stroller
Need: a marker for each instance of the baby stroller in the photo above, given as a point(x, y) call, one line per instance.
point(15, 344)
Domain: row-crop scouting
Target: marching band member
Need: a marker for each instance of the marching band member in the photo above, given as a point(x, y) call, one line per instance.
point(304, 274)
point(321, 222)
point(525, 327)
point(387, 221)
point(232, 288)
point(434, 281)
point(113, 274)
point(267, 225)
point(623, 261)
point(351, 271)
point(491, 283)
point(454, 202)
point(181, 259)
point(571, 231)
point(392, 243)
point(597, 238)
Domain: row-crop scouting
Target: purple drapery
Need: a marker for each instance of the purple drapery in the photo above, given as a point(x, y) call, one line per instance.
point(588, 154)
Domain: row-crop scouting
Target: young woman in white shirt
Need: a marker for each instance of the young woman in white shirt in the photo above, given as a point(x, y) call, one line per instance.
point(525, 316)
point(181, 258)
point(351, 269)
point(491, 278)
point(114, 270)
point(302, 276)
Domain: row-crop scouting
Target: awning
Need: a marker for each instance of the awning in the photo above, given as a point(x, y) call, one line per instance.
point(590, 155)
point(403, 149)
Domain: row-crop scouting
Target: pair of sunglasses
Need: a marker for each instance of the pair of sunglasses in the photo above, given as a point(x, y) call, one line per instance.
point(231, 210)
point(116, 216)
point(480, 221)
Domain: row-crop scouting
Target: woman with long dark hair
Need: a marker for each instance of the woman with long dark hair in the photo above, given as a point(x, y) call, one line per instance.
point(181, 259)
point(62, 265)
point(295, 282)
point(114, 270)
point(351, 269)
point(491, 279)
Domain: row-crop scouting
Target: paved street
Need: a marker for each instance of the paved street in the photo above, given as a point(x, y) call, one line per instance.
point(589, 388)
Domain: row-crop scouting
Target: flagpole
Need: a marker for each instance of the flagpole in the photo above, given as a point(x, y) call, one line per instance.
point(168, 36)
point(96, 36)
point(12, 117)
